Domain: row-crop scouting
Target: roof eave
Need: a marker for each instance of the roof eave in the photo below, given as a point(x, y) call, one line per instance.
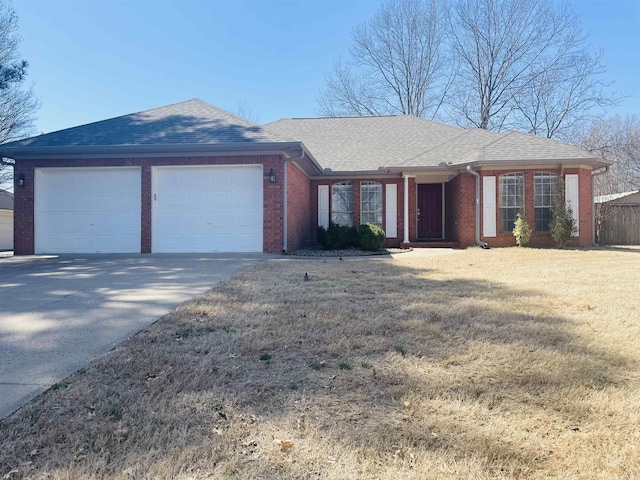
point(53, 152)
point(592, 161)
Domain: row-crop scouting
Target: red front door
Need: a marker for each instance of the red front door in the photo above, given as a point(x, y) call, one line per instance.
point(430, 211)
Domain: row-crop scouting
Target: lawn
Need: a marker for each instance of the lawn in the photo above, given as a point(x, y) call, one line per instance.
point(507, 363)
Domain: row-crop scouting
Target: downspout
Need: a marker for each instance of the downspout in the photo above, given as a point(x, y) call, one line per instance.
point(477, 175)
point(593, 217)
point(284, 199)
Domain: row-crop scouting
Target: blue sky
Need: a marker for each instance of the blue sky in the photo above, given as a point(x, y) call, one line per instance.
point(91, 60)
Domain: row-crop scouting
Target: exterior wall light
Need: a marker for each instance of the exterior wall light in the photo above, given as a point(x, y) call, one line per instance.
point(21, 181)
point(272, 176)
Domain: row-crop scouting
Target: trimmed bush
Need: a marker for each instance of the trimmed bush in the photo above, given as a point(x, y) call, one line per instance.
point(521, 230)
point(337, 237)
point(563, 226)
point(370, 237)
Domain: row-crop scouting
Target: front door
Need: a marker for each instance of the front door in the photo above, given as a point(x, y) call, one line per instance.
point(430, 211)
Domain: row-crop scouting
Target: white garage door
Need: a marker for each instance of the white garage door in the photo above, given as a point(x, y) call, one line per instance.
point(207, 209)
point(87, 210)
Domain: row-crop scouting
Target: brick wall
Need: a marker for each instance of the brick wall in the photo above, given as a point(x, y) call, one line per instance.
point(544, 239)
point(298, 208)
point(460, 210)
point(272, 214)
point(389, 242)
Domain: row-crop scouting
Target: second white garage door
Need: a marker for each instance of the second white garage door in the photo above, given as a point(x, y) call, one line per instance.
point(207, 209)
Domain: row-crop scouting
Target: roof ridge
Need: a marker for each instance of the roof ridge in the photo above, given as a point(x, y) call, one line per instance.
point(114, 118)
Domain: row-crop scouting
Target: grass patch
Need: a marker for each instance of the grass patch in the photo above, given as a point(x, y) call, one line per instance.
point(524, 366)
point(265, 357)
point(401, 350)
point(63, 384)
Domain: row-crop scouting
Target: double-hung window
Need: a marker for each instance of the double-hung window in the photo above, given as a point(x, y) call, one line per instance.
point(371, 203)
point(546, 193)
point(342, 204)
point(511, 200)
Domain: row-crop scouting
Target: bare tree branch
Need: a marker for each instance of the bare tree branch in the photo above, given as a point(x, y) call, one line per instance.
point(397, 64)
point(17, 104)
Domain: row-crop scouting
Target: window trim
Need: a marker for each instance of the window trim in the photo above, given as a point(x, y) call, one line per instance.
point(380, 211)
point(502, 209)
point(537, 208)
point(351, 212)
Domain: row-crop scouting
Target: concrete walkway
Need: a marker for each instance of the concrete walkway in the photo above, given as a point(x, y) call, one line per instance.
point(57, 313)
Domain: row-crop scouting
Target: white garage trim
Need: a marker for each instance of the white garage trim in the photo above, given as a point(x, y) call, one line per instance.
point(207, 208)
point(6, 230)
point(87, 210)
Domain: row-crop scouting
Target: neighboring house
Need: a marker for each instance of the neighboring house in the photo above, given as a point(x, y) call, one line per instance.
point(618, 218)
point(6, 220)
point(191, 177)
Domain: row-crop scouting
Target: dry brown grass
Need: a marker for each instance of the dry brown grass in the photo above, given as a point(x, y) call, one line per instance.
point(508, 363)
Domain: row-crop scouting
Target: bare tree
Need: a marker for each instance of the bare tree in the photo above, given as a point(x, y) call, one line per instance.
point(560, 99)
point(616, 139)
point(492, 64)
point(245, 111)
point(397, 64)
point(17, 104)
point(512, 52)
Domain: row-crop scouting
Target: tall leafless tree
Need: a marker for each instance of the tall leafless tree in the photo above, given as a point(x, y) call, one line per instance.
point(397, 64)
point(17, 103)
point(616, 139)
point(512, 52)
point(492, 64)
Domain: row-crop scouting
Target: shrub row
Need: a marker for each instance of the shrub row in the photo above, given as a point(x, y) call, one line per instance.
point(367, 236)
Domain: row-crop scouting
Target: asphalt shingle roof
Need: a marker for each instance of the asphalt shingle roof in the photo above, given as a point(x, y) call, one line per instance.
point(366, 143)
point(192, 122)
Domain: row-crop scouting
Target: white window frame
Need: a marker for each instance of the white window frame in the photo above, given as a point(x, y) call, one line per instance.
point(543, 201)
point(347, 200)
point(504, 201)
point(368, 188)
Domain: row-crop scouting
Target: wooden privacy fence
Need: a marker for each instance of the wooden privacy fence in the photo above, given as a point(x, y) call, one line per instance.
point(621, 226)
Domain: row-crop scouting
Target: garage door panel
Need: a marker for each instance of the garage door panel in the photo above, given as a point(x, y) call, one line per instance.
point(88, 210)
point(207, 209)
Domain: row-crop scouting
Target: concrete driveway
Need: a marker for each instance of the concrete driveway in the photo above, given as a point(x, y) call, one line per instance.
point(57, 313)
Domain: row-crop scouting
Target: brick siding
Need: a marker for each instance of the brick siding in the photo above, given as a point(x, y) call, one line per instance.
point(272, 213)
point(298, 208)
point(389, 242)
point(585, 199)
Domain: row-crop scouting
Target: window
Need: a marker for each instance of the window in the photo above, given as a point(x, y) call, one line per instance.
point(546, 194)
point(371, 203)
point(511, 200)
point(342, 204)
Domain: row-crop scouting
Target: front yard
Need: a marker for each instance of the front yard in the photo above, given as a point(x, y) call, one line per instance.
point(507, 363)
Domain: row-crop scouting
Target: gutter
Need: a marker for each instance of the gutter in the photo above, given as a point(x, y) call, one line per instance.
point(47, 152)
point(593, 217)
point(284, 197)
point(477, 175)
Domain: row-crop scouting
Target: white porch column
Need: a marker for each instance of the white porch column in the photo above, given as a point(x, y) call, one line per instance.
point(406, 209)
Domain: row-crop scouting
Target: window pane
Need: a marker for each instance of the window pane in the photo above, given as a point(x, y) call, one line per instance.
point(342, 203)
point(511, 200)
point(546, 195)
point(371, 203)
